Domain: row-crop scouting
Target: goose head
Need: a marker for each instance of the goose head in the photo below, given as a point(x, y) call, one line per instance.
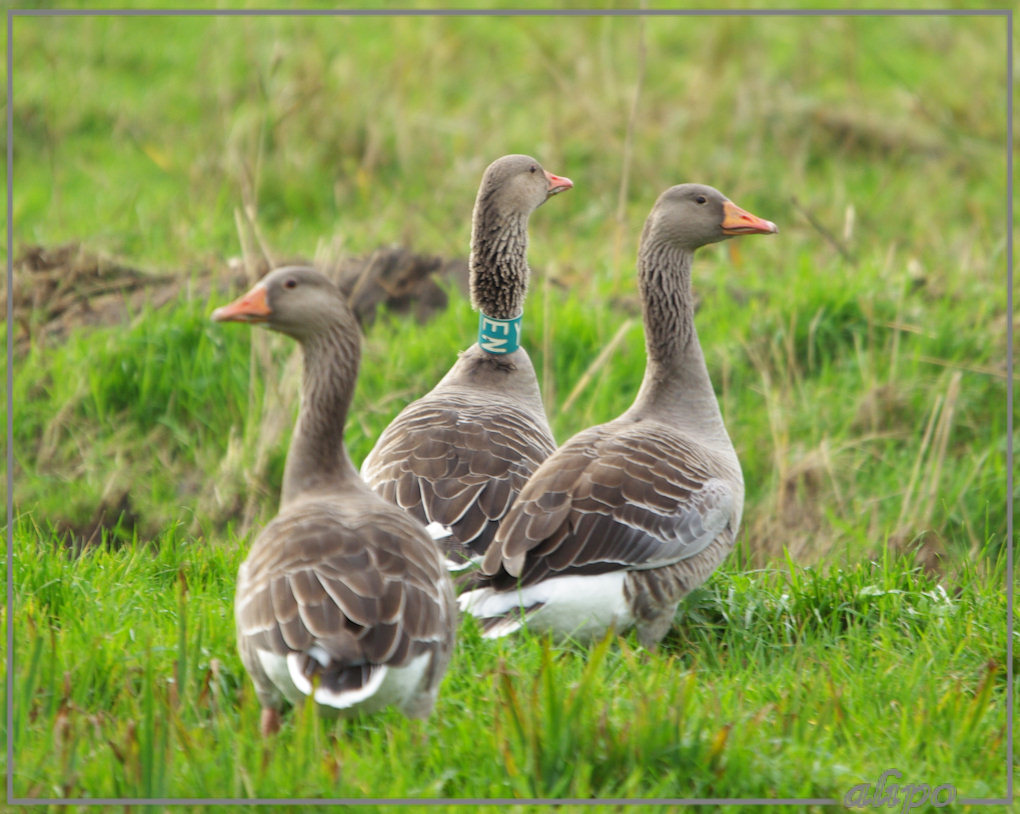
point(689, 216)
point(297, 301)
point(518, 185)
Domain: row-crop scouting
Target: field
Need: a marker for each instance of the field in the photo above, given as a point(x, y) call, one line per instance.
point(859, 357)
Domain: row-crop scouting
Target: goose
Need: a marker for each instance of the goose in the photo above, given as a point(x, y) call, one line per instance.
point(627, 517)
point(456, 458)
point(342, 597)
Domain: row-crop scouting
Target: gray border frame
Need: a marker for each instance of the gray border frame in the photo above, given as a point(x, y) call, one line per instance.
point(511, 801)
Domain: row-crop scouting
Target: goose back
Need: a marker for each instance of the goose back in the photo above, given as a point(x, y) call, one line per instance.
point(344, 596)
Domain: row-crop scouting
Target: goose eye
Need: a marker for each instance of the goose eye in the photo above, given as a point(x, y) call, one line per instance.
point(290, 283)
point(532, 168)
point(701, 199)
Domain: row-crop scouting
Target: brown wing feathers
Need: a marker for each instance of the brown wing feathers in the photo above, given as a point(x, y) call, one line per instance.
point(611, 500)
point(368, 601)
point(459, 466)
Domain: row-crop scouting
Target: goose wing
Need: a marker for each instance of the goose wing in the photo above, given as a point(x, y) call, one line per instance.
point(339, 601)
point(459, 465)
point(620, 496)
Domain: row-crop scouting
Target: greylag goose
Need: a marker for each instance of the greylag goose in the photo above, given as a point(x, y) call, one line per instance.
point(342, 597)
point(616, 526)
point(457, 457)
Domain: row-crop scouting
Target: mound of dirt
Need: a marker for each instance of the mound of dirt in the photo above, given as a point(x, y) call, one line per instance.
point(60, 288)
point(403, 281)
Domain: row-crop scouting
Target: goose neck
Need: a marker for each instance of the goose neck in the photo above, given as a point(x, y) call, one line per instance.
point(664, 278)
point(676, 387)
point(317, 459)
point(498, 265)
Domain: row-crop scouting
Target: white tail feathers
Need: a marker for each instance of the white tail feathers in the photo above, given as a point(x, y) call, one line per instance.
point(437, 531)
point(581, 607)
point(326, 696)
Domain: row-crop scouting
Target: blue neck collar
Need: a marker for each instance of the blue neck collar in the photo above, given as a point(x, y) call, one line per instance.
point(499, 336)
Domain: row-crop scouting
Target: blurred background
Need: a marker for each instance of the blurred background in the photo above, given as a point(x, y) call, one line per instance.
point(163, 163)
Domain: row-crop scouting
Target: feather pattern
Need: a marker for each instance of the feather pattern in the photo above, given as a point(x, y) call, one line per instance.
point(295, 597)
point(458, 457)
point(630, 495)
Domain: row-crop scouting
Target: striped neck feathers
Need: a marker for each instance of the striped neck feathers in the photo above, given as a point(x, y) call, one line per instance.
point(317, 458)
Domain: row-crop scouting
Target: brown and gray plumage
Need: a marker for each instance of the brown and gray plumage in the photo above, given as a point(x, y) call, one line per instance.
point(457, 457)
point(342, 596)
point(625, 518)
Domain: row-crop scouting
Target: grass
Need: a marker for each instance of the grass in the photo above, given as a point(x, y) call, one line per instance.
point(773, 684)
point(858, 357)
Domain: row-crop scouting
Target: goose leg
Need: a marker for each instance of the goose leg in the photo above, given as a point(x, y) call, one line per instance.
point(270, 723)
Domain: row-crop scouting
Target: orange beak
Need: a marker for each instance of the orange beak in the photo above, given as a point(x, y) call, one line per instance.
point(739, 222)
point(557, 183)
point(252, 307)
